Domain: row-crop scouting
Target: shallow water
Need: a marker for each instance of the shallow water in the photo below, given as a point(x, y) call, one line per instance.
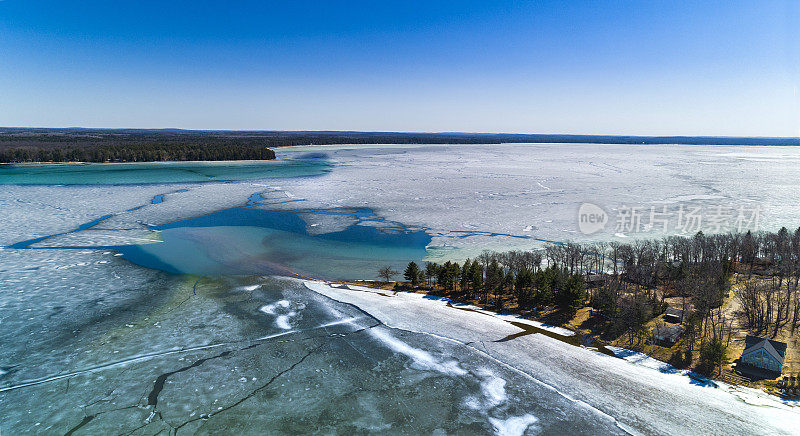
point(253, 241)
point(247, 241)
point(157, 172)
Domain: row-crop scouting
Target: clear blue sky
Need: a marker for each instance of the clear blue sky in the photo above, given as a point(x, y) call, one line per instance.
point(623, 67)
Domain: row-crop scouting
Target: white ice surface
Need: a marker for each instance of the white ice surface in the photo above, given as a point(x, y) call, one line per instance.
point(445, 301)
point(29, 212)
point(535, 189)
point(469, 197)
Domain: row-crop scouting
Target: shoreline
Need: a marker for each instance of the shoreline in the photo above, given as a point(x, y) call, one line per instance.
point(585, 339)
point(617, 385)
point(134, 162)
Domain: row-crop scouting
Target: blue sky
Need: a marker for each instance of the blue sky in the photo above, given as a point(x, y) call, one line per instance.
point(624, 67)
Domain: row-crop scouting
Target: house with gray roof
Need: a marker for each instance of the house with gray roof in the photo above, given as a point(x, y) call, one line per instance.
point(667, 335)
point(763, 353)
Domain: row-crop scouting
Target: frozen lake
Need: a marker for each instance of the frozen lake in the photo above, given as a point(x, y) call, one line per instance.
point(143, 298)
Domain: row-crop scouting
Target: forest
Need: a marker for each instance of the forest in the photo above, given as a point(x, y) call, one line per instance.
point(19, 148)
point(19, 145)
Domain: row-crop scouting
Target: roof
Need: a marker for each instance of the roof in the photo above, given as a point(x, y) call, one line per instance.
point(673, 311)
point(774, 348)
point(670, 332)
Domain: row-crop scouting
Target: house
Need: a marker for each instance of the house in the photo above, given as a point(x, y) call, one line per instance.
point(673, 315)
point(763, 353)
point(667, 335)
point(595, 280)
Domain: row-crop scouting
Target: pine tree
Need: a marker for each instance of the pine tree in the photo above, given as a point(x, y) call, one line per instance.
point(412, 273)
point(431, 270)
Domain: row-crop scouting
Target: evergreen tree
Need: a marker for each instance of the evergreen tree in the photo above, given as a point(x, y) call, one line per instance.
point(412, 273)
point(476, 276)
point(712, 356)
point(448, 275)
point(572, 295)
point(494, 277)
point(464, 282)
point(431, 270)
point(523, 284)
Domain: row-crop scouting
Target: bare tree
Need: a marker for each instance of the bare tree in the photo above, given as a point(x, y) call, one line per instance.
point(387, 273)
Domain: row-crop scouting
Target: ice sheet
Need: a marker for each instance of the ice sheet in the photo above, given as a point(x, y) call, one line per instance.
point(516, 195)
point(86, 333)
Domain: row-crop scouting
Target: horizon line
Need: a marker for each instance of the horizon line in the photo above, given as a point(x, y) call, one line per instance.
point(178, 129)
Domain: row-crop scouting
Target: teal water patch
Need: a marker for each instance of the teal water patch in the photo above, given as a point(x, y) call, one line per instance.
point(158, 172)
point(246, 241)
point(252, 241)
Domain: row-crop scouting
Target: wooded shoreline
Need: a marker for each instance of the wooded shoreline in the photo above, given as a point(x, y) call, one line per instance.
point(149, 152)
point(725, 285)
point(18, 145)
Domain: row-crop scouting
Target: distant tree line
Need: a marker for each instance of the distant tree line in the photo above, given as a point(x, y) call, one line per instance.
point(54, 138)
point(145, 152)
point(133, 145)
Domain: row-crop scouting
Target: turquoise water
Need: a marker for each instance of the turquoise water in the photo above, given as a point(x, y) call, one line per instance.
point(158, 172)
point(241, 240)
point(252, 241)
point(247, 241)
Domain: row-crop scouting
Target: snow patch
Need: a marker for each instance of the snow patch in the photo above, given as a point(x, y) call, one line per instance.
point(420, 357)
point(493, 388)
point(269, 309)
point(283, 313)
point(472, 403)
point(248, 288)
point(751, 396)
point(282, 321)
point(514, 426)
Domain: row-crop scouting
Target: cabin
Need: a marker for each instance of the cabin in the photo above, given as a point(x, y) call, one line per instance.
point(667, 335)
point(763, 353)
point(673, 315)
point(595, 280)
